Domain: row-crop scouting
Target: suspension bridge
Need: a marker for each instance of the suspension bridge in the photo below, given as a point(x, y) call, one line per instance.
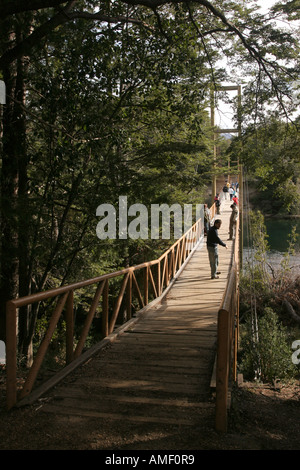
point(170, 359)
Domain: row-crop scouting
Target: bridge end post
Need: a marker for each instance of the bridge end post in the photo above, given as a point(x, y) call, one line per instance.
point(11, 355)
point(222, 370)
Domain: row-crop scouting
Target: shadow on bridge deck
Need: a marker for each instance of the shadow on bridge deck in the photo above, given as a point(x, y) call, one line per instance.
point(156, 374)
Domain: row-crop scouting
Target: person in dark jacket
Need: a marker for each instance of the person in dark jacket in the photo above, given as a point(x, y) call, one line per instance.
point(217, 203)
point(213, 240)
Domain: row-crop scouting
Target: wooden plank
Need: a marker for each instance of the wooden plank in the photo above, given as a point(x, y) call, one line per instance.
point(188, 367)
point(145, 385)
point(187, 364)
point(117, 416)
point(45, 387)
point(162, 353)
point(169, 340)
point(148, 379)
point(194, 337)
point(134, 407)
point(80, 394)
point(168, 331)
point(158, 358)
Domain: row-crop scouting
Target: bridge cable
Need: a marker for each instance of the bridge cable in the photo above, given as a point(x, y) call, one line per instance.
point(251, 264)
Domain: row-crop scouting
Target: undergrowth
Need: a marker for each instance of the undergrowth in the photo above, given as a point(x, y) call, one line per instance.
point(269, 311)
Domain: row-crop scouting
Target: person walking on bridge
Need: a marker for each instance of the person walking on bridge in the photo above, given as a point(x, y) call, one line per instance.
point(213, 240)
point(207, 219)
point(217, 203)
point(233, 221)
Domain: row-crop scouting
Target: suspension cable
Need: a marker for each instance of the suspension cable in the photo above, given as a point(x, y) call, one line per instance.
point(250, 254)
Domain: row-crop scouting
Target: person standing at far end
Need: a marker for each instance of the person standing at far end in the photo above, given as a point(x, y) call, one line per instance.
point(206, 219)
point(233, 221)
point(217, 203)
point(213, 240)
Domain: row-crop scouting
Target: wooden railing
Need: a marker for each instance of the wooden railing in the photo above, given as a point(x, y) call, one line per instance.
point(141, 283)
point(227, 342)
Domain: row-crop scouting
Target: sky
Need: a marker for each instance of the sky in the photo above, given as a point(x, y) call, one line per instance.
point(265, 4)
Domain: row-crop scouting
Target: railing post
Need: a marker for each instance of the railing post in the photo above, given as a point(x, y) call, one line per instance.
point(146, 284)
point(222, 371)
point(69, 327)
point(184, 249)
point(129, 296)
point(173, 262)
point(105, 309)
point(167, 270)
point(31, 377)
point(88, 321)
point(11, 355)
point(158, 279)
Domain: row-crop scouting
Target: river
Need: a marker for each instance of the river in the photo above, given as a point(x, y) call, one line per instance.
point(278, 231)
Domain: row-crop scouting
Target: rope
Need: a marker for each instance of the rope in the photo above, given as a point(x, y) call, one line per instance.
point(253, 297)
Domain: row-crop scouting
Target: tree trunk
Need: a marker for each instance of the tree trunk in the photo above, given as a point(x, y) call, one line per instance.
point(9, 192)
point(23, 210)
point(15, 279)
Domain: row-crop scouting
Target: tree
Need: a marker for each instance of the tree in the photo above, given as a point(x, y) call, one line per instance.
point(270, 153)
point(110, 116)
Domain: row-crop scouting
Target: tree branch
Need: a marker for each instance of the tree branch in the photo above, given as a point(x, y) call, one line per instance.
point(11, 7)
point(66, 14)
point(25, 47)
point(63, 16)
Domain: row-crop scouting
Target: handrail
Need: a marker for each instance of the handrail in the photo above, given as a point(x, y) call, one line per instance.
point(166, 266)
point(227, 339)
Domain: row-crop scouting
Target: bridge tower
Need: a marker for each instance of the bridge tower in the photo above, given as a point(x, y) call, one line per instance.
point(236, 130)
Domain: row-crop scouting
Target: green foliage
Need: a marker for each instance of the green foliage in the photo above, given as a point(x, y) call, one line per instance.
point(269, 355)
point(266, 334)
point(56, 353)
point(285, 263)
point(256, 276)
point(41, 329)
point(270, 154)
point(125, 118)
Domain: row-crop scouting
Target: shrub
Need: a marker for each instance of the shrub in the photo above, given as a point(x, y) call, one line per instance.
point(266, 350)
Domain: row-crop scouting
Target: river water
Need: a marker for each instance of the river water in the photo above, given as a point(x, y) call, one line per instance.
point(278, 231)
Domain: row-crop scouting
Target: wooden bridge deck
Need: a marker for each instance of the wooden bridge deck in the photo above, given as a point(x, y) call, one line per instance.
point(158, 372)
